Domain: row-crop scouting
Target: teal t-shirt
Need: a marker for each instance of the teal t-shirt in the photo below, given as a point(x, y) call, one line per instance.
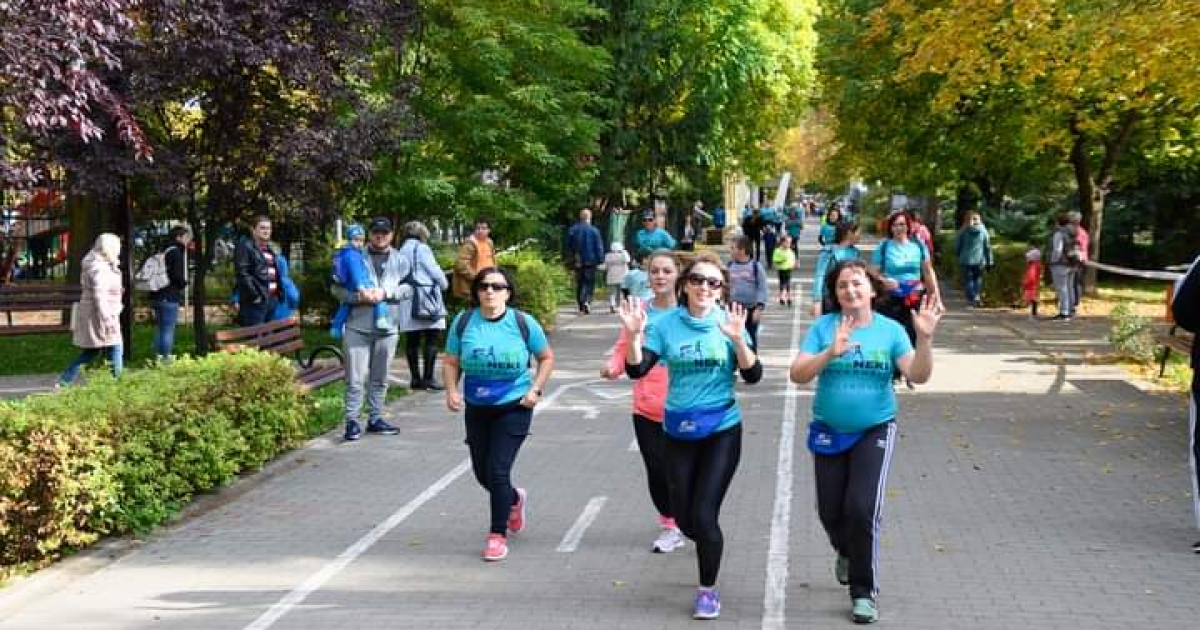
point(650, 240)
point(700, 362)
point(828, 231)
point(854, 391)
point(903, 262)
point(493, 356)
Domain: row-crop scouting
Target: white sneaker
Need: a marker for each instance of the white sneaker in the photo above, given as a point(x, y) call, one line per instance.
point(669, 540)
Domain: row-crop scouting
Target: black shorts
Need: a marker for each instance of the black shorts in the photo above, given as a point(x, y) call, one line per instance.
point(785, 278)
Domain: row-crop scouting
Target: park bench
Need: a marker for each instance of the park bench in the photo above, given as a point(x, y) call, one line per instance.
point(284, 337)
point(1174, 339)
point(37, 301)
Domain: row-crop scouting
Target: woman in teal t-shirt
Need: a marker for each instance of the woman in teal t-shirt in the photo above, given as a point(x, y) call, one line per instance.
point(907, 271)
point(701, 344)
point(844, 248)
point(852, 351)
point(492, 349)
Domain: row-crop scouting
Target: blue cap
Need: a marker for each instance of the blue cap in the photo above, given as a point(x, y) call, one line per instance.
point(354, 230)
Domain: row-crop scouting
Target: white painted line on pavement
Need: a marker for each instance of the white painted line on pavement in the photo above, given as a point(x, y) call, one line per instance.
point(775, 596)
point(326, 573)
point(570, 542)
point(633, 446)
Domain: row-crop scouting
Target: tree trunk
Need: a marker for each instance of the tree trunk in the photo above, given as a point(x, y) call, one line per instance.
point(1093, 188)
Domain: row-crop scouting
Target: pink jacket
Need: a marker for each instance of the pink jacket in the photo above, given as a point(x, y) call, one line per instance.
point(650, 391)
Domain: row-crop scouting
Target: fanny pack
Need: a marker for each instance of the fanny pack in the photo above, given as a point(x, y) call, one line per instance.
point(909, 292)
point(694, 424)
point(823, 440)
point(482, 391)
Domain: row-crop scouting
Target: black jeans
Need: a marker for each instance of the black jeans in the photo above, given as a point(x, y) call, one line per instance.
point(418, 344)
point(585, 284)
point(494, 435)
point(652, 442)
point(700, 472)
point(850, 489)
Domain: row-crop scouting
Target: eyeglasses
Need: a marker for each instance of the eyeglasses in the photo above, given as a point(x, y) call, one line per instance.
point(492, 286)
point(699, 280)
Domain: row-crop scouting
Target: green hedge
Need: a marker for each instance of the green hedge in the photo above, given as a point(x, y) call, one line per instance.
point(124, 456)
point(1001, 285)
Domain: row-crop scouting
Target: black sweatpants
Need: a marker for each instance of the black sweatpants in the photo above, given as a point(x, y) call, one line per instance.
point(494, 435)
point(700, 472)
point(1194, 432)
point(850, 490)
point(652, 441)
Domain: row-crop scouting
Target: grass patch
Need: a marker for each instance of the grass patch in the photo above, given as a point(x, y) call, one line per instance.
point(327, 409)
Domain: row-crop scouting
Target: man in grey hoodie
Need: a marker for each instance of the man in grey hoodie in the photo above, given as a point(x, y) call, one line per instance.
point(974, 251)
point(369, 350)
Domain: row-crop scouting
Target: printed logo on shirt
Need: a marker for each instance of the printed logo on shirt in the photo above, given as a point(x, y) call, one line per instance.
point(486, 360)
point(698, 356)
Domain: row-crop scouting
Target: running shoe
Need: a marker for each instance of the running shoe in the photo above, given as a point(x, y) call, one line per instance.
point(865, 610)
point(381, 427)
point(353, 432)
point(1196, 547)
point(841, 570)
point(496, 548)
point(668, 540)
point(516, 514)
point(707, 604)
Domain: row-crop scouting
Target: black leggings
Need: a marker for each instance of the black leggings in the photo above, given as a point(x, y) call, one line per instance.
point(651, 441)
point(494, 435)
point(700, 472)
point(417, 344)
point(850, 488)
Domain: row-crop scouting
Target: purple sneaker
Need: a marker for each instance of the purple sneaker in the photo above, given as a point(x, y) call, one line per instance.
point(708, 604)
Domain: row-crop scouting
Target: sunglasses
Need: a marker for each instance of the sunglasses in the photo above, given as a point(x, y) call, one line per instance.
point(493, 286)
point(699, 280)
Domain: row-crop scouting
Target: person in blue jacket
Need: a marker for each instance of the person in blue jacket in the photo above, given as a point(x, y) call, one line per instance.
point(492, 350)
point(853, 351)
point(652, 237)
point(586, 248)
point(702, 345)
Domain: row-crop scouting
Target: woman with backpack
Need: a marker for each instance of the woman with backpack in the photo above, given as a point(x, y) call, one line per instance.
point(906, 268)
point(702, 345)
point(490, 345)
point(844, 248)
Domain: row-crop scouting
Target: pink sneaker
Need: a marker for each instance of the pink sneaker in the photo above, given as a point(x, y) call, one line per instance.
point(496, 548)
point(516, 515)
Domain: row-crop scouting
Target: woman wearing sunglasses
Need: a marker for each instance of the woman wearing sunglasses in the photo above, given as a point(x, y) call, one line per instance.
point(852, 351)
point(492, 349)
point(701, 344)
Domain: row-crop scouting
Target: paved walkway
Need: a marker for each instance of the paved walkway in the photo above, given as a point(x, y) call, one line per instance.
point(1030, 489)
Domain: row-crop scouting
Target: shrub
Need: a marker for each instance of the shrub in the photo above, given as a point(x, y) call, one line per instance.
point(124, 456)
point(1130, 333)
point(542, 284)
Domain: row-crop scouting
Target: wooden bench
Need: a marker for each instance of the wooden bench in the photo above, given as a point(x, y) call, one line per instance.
point(284, 337)
point(52, 301)
point(1174, 339)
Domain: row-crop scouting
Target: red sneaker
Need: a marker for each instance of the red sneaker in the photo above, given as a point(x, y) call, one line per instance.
point(516, 515)
point(496, 548)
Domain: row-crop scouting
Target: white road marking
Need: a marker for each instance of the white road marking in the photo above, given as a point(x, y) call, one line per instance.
point(570, 541)
point(297, 595)
point(775, 596)
point(633, 446)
